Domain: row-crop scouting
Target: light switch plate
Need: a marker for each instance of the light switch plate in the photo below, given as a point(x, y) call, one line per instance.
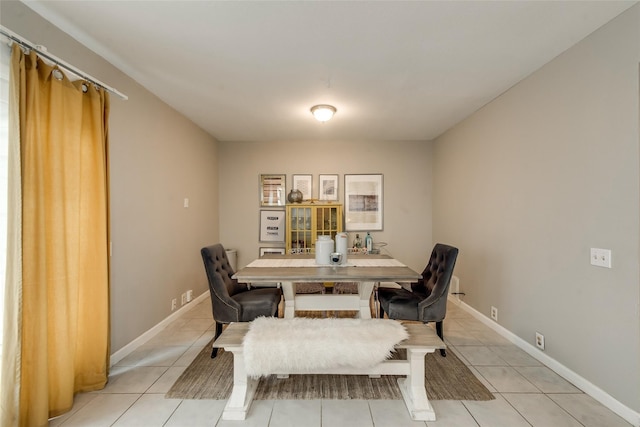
point(601, 257)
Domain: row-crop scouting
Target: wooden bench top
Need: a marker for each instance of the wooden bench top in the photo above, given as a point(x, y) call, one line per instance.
point(420, 336)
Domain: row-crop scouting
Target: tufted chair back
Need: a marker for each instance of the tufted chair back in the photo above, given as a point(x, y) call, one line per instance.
point(434, 285)
point(230, 300)
point(216, 261)
point(427, 299)
point(221, 286)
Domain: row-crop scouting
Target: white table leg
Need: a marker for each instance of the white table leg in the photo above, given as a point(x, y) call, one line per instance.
point(412, 387)
point(364, 293)
point(289, 293)
point(244, 388)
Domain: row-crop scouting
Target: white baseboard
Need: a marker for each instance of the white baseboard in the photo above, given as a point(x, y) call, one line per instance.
point(454, 287)
point(583, 384)
point(127, 349)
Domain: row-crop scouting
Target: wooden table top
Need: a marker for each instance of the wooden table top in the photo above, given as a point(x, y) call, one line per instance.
point(327, 273)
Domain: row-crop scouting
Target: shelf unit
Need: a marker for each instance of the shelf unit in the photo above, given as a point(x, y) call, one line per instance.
point(305, 221)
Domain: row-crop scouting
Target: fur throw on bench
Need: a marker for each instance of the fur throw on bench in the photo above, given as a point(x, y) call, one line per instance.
point(306, 345)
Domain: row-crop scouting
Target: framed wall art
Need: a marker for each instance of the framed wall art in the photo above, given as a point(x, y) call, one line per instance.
point(272, 225)
point(272, 251)
point(304, 183)
point(328, 187)
point(363, 202)
point(272, 189)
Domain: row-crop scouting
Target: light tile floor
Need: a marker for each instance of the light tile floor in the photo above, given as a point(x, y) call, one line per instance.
point(527, 393)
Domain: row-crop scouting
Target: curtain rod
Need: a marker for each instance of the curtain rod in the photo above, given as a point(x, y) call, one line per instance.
point(42, 51)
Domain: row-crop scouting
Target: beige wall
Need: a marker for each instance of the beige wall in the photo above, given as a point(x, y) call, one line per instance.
point(527, 185)
point(157, 158)
point(406, 167)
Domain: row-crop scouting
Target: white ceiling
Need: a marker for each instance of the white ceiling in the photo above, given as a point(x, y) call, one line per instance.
point(395, 70)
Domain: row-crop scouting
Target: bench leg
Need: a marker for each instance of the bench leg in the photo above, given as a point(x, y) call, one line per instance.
point(412, 388)
point(244, 388)
point(289, 294)
point(364, 294)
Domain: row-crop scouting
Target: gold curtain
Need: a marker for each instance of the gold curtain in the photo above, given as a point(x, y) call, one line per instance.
point(64, 315)
point(12, 324)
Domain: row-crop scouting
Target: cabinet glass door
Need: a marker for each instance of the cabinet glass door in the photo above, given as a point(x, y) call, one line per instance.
point(300, 229)
point(327, 223)
point(306, 222)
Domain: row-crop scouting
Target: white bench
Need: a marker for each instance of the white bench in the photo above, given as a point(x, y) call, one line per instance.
point(422, 340)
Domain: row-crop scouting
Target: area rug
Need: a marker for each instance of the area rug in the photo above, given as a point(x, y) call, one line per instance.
point(447, 378)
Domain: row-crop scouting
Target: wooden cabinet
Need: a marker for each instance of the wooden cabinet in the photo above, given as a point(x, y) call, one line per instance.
point(306, 221)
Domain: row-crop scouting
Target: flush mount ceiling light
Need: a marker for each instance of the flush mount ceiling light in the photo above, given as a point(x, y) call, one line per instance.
point(322, 113)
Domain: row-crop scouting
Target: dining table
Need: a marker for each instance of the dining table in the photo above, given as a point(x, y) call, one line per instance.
point(367, 270)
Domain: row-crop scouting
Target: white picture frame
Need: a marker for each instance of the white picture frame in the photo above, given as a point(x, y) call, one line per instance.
point(304, 183)
point(363, 202)
point(328, 187)
point(271, 251)
point(272, 189)
point(272, 225)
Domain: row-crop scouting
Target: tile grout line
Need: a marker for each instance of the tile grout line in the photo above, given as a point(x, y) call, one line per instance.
point(126, 410)
point(515, 409)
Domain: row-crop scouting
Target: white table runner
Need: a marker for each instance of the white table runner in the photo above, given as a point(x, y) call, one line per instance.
point(311, 262)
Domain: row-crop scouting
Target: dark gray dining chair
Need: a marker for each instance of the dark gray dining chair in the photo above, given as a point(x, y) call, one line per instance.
point(427, 300)
point(230, 300)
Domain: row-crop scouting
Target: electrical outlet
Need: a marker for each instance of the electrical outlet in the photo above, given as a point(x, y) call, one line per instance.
point(601, 257)
point(183, 300)
point(539, 340)
point(494, 313)
point(189, 295)
point(174, 304)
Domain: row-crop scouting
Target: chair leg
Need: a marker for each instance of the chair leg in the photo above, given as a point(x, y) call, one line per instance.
point(443, 352)
point(214, 353)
